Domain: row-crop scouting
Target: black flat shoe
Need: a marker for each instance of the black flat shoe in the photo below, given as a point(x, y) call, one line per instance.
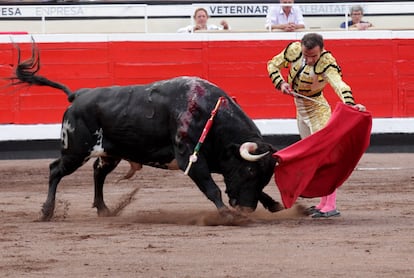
point(311, 210)
point(327, 214)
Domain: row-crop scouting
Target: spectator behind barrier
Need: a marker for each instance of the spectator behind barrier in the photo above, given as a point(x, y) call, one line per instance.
point(200, 18)
point(285, 17)
point(356, 13)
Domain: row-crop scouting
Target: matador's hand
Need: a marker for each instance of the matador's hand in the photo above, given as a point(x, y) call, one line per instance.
point(360, 107)
point(286, 89)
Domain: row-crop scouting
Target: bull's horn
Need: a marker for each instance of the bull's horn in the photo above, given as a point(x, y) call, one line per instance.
point(248, 147)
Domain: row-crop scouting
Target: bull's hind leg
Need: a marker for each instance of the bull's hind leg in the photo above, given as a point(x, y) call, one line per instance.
point(101, 168)
point(58, 169)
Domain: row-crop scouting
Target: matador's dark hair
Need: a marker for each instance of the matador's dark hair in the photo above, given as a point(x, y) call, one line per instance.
point(312, 40)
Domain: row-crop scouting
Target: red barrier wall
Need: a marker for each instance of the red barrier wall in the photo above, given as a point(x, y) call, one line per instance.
point(379, 71)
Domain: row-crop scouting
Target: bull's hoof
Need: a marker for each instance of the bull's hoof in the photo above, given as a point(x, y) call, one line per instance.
point(45, 217)
point(233, 217)
point(275, 207)
point(102, 209)
point(104, 212)
point(47, 213)
point(227, 214)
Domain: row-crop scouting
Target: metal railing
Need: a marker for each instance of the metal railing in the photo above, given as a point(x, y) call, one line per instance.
point(240, 11)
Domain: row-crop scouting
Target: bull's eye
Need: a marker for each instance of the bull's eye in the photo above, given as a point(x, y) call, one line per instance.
point(250, 171)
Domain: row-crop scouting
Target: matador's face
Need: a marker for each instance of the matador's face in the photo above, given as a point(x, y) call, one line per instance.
point(311, 56)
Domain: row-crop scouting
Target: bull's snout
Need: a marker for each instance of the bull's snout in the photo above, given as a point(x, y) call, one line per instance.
point(233, 202)
point(243, 209)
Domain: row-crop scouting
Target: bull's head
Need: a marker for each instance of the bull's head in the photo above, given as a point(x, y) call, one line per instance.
point(250, 170)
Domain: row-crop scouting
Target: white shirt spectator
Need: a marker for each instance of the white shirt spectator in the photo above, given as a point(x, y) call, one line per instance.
point(190, 28)
point(276, 16)
point(200, 18)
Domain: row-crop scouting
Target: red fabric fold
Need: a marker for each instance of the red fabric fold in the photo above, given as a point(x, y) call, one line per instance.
point(321, 162)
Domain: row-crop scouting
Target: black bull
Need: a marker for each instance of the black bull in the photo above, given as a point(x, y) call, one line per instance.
point(159, 124)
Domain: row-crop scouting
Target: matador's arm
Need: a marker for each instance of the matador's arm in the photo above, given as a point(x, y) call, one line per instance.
point(290, 54)
point(328, 66)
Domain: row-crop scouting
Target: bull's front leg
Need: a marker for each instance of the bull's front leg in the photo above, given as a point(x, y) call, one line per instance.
point(200, 174)
point(270, 204)
point(213, 193)
point(101, 168)
point(207, 185)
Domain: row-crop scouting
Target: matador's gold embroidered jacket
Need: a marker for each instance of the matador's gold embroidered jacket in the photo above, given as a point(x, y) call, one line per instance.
point(309, 81)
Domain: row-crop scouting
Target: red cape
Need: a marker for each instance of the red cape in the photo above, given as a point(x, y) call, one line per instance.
point(321, 162)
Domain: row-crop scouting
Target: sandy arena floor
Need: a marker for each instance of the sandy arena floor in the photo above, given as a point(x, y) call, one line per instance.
point(169, 229)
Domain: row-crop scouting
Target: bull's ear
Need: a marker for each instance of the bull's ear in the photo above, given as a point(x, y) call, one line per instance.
point(265, 147)
point(232, 150)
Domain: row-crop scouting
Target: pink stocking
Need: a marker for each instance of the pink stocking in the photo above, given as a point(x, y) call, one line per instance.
point(322, 202)
point(330, 203)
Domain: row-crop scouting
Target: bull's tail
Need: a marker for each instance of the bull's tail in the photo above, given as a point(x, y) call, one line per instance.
point(26, 73)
